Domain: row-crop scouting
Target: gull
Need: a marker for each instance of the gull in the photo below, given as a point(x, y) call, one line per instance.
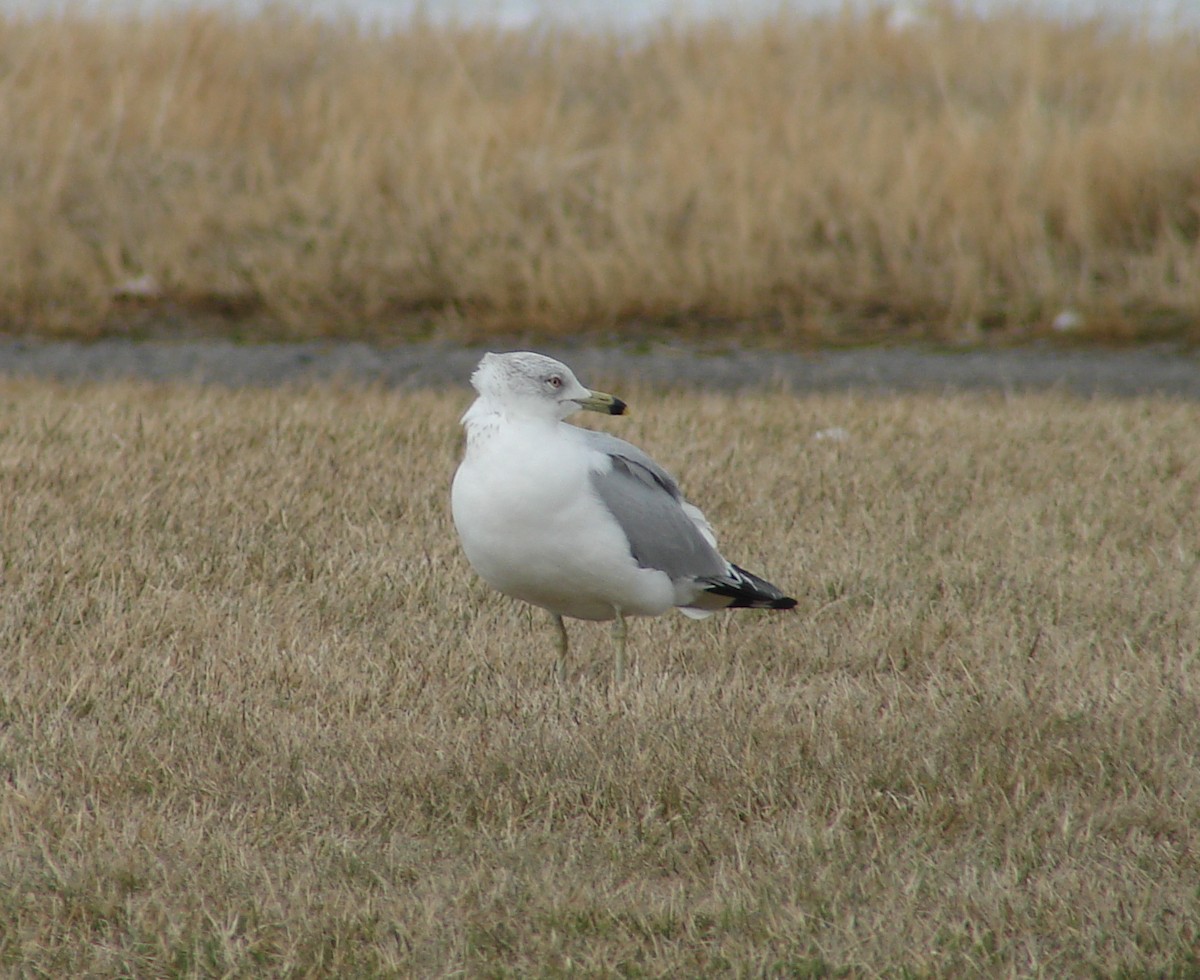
point(580, 522)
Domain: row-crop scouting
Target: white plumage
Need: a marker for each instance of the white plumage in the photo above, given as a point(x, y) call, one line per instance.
point(581, 523)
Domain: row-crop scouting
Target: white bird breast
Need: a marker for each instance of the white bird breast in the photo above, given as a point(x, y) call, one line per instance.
point(533, 527)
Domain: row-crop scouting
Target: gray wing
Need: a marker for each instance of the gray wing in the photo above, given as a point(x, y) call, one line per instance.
point(602, 442)
point(647, 504)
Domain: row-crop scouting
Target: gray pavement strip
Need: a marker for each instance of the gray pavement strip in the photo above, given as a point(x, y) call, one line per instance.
point(1155, 370)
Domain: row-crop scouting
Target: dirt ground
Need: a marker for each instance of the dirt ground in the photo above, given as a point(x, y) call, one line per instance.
point(1161, 370)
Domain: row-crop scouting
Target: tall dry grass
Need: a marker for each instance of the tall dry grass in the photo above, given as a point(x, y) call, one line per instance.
point(257, 718)
point(813, 176)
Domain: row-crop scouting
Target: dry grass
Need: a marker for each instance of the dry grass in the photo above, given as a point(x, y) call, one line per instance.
point(808, 177)
point(257, 718)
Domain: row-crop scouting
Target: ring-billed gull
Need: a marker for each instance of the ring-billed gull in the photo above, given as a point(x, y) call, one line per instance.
point(579, 522)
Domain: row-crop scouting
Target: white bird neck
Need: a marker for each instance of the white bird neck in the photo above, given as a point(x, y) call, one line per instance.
point(485, 418)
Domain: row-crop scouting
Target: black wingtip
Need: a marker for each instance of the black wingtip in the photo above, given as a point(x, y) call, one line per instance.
point(748, 591)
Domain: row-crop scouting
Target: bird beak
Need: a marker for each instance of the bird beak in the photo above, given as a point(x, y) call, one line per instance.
point(602, 402)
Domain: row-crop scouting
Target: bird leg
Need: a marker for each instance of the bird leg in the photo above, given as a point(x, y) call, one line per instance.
point(560, 666)
point(618, 635)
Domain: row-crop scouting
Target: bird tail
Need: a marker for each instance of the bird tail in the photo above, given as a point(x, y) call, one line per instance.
point(748, 591)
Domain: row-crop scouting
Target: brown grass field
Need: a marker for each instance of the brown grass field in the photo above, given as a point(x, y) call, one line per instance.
point(809, 178)
point(258, 718)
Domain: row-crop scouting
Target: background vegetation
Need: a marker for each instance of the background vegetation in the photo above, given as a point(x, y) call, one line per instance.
point(805, 178)
point(257, 717)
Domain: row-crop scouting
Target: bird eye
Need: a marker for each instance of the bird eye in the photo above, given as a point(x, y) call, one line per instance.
point(554, 381)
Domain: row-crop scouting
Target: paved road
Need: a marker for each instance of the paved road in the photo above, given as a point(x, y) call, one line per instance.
point(1150, 370)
